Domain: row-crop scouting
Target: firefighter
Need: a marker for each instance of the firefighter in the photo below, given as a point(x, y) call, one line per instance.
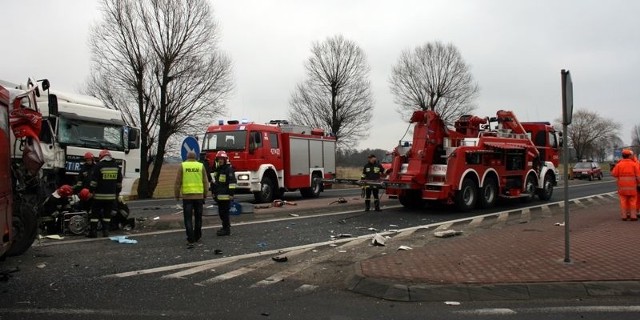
point(191, 183)
point(54, 207)
point(372, 171)
point(628, 175)
point(106, 184)
point(224, 185)
point(83, 181)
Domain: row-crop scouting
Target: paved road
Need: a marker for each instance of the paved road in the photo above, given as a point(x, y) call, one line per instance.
point(160, 277)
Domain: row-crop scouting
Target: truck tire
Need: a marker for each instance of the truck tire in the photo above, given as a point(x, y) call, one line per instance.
point(267, 191)
point(546, 191)
point(25, 226)
point(314, 190)
point(529, 189)
point(467, 196)
point(488, 194)
point(600, 176)
point(591, 177)
point(411, 199)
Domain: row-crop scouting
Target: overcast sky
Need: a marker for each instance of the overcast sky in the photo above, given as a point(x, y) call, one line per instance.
point(516, 50)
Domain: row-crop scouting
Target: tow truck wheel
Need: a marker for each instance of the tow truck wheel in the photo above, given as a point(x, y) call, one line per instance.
point(488, 194)
point(529, 189)
point(547, 188)
point(467, 196)
point(411, 199)
point(267, 191)
point(25, 226)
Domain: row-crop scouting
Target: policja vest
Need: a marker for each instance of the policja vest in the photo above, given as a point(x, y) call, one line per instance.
point(192, 175)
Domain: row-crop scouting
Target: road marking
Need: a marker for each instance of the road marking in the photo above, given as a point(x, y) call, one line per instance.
point(525, 216)
point(109, 312)
point(501, 220)
point(550, 310)
point(488, 312)
point(475, 222)
point(444, 226)
point(546, 211)
point(579, 203)
point(197, 269)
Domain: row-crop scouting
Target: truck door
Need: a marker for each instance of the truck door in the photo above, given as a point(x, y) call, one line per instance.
point(274, 150)
point(256, 145)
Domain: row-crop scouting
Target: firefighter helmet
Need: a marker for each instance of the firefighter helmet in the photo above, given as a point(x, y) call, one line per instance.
point(64, 191)
point(88, 156)
point(222, 154)
point(84, 194)
point(104, 153)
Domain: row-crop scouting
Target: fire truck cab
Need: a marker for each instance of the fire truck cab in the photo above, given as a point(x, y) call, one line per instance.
point(272, 158)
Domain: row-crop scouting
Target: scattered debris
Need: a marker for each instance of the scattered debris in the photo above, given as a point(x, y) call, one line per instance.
point(262, 206)
point(447, 233)
point(282, 203)
point(124, 239)
point(342, 251)
point(178, 207)
point(345, 235)
point(54, 237)
point(141, 219)
point(217, 251)
point(156, 218)
point(373, 229)
point(340, 200)
point(378, 240)
point(262, 244)
point(294, 214)
point(559, 224)
point(306, 288)
point(393, 226)
point(266, 314)
point(280, 259)
point(41, 265)
point(452, 303)
point(333, 245)
point(405, 248)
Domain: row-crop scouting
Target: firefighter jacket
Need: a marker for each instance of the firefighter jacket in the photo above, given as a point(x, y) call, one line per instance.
point(628, 175)
point(106, 181)
point(372, 171)
point(224, 182)
point(84, 177)
point(191, 181)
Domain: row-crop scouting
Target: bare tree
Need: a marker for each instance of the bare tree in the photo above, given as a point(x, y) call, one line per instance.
point(635, 139)
point(157, 61)
point(434, 77)
point(590, 134)
point(337, 94)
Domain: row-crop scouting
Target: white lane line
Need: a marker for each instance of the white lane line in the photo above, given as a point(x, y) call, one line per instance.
point(551, 310)
point(197, 269)
point(128, 314)
point(488, 312)
point(247, 269)
point(313, 245)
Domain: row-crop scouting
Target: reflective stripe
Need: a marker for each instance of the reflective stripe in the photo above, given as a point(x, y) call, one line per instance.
point(94, 220)
point(232, 186)
point(106, 220)
point(103, 196)
point(224, 197)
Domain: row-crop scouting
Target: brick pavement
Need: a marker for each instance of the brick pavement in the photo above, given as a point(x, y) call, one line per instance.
point(603, 248)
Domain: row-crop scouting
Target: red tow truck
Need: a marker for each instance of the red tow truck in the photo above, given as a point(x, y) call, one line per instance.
point(272, 158)
point(473, 163)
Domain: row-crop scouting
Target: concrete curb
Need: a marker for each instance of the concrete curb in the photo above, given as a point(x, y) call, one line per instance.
point(395, 291)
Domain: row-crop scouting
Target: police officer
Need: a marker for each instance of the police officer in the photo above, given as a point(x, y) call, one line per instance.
point(372, 171)
point(83, 181)
point(191, 182)
point(224, 185)
point(106, 184)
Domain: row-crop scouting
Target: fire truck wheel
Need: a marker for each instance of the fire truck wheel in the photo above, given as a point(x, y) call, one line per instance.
point(467, 196)
point(411, 199)
point(267, 192)
point(600, 176)
point(25, 226)
point(314, 190)
point(529, 189)
point(488, 194)
point(547, 188)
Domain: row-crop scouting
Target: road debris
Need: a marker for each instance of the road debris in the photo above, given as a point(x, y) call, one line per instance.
point(262, 244)
point(393, 226)
point(340, 200)
point(333, 245)
point(342, 251)
point(345, 235)
point(280, 259)
point(452, 303)
point(404, 248)
point(156, 218)
point(54, 237)
point(447, 233)
point(41, 265)
point(378, 240)
point(124, 239)
point(373, 229)
point(294, 214)
point(559, 224)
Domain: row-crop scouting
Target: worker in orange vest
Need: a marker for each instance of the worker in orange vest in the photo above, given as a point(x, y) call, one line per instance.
point(635, 159)
point(628, 175)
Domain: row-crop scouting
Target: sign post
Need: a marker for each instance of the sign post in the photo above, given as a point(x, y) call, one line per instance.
point(567, 113)
point(189, 144)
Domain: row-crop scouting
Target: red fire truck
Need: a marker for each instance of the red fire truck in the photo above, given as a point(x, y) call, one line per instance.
point(272, 158)
point(474, 163)
point(19, 182)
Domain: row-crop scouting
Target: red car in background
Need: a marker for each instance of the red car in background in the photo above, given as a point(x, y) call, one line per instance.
point(586, 170)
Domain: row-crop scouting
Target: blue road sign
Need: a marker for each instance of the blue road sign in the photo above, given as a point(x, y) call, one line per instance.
point(617, 153)
point(189, 144)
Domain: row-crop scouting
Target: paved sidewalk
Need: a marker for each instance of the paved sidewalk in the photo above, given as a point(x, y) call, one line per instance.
point(519, 261)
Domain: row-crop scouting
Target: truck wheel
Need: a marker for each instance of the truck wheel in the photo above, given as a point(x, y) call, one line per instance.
point(547, 188)
point(267, 191)
point(600, 176)
point(314, 190)
point(591, 177)
point(488, 194)
point(25, 226)
point(467, 196)
point(411, 199)
point(529, 189)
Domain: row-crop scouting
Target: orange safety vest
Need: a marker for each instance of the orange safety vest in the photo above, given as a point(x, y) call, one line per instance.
point(628, 175)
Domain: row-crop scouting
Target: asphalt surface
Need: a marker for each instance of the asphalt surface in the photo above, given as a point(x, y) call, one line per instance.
point(160, 278)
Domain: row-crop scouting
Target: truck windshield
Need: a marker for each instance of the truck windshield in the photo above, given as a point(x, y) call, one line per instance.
point(231, 140)
point(90, 134)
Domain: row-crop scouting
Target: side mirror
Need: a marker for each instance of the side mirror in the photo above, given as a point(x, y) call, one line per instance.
point(53, 105)
point(134, 138)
